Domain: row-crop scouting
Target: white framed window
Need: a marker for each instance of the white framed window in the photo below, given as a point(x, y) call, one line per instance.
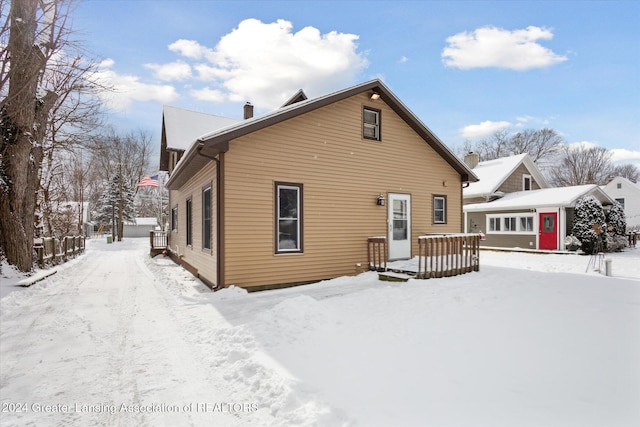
point(510, 223)
point(371, 123)
point(289, 230)
point(526, 223)
point(439, 209)
point(526, 182)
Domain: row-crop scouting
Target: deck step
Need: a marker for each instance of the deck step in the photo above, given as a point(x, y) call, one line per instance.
point(390, 276)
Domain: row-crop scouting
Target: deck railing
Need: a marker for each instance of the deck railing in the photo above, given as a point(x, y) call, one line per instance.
point(50, 250)
point(446, 255)
point(377, 253)
point(158, 239)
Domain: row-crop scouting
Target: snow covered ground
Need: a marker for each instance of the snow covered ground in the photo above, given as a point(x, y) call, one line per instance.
point(117, 338)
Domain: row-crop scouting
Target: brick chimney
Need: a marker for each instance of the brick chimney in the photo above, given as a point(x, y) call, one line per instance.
point(248, 110)
point(471, 159)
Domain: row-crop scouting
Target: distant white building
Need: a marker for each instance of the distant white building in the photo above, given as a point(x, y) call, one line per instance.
point(140, 227)
point(627, 193)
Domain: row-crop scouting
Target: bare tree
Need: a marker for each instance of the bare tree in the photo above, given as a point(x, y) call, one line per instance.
point(126, 157)
point(628, 171)
point(46, 103)
point(541, 144)
point(582, 165)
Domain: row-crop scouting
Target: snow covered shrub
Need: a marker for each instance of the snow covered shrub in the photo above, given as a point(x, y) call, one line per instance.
point(615, 242)
point(589, 224)
point(616, 228)
point(616, 220)
point(572, 243)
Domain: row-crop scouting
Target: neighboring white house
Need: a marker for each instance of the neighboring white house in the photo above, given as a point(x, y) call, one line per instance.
point(627, 193)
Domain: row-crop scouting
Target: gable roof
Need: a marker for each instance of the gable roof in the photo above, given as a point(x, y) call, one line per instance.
point(493, 173)
point(217, 141)
point(627, 185)
point(546, 197)
point(182, 127)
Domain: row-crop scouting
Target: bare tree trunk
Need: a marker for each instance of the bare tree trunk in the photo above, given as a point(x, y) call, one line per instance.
point(19, 168)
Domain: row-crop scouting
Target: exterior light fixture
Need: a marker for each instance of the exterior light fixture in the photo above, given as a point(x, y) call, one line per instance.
point(380, 200)
point(375, 96)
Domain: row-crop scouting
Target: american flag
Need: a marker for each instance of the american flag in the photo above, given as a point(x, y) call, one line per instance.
point(149, 181)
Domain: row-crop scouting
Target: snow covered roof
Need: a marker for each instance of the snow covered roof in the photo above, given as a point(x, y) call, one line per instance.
point(182, 127)
point(493, 173)
point(145, 221)
point(546, 197)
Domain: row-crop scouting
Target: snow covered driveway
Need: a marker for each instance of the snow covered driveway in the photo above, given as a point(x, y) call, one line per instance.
point(99, 335)
point(117, 338)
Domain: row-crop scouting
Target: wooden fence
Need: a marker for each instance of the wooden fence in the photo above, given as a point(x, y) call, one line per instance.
point(447, 255)
point(158, 241)
point(50, 250)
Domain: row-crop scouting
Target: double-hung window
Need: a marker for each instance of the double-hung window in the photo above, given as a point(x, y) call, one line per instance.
point(189, 205)
point(206, 217)
point(439, 209)
point(289, 231)
point(371, 123)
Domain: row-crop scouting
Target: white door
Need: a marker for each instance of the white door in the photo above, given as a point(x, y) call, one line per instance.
point(399, 219)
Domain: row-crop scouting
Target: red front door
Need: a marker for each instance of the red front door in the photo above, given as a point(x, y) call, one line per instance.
point(548, 230)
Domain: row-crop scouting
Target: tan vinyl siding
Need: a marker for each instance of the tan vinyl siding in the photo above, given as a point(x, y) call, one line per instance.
point(342, 174)
point(203, 260)
point(514, 182)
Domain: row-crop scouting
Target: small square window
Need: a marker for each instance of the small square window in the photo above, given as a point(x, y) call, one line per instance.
point(371, 123)
point(618, 186)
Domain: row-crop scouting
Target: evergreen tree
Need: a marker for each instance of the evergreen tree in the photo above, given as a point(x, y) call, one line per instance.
point(616, 228)
point(589, 224)
point(616, 220)
point(108, 208)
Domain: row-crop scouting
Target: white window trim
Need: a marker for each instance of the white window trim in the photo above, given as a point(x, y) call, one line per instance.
point(517, 217)
point(444, 210)
point(298, 188)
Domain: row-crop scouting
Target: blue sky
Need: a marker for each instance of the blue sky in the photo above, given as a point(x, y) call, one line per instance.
point(465, 68)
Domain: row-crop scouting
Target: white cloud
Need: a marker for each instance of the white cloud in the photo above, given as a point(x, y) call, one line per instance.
point(177, 70)
point(485, 128)
point(582, 145)
point(621, 155)
point(403, 59)
point(265, 63)
point(189, 49)
point(497, 47)
point(208, 94)
point(128, 88)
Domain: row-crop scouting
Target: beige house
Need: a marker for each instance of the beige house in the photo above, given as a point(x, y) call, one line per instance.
point(292, 196)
